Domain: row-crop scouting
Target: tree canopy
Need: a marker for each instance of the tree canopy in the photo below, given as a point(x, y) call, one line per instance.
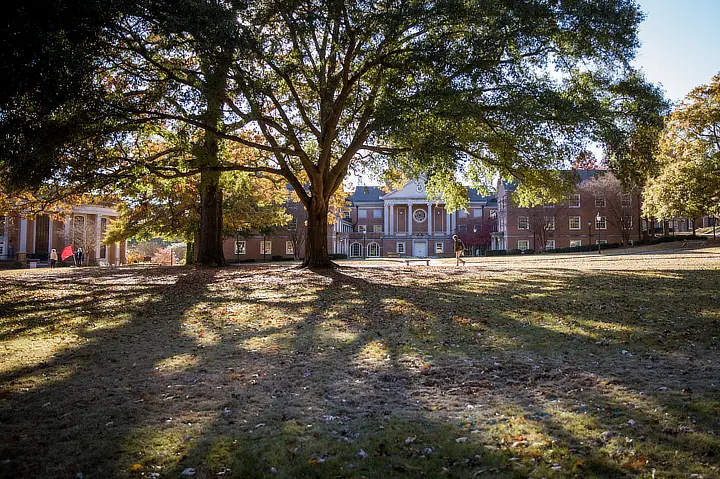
point(688, 181)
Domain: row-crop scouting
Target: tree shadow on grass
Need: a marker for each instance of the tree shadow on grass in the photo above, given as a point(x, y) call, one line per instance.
point(529, 371)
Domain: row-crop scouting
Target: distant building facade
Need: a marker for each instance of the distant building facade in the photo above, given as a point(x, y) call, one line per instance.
point(34, 237)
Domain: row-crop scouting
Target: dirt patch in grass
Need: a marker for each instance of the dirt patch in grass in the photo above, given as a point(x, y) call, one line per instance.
point(511, 367)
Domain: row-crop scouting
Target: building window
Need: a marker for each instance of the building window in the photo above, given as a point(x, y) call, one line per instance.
point(462, 214)
point(377, 228)
point(346, 215)
point(362, 228)
point(493, 214)
point(419, 215)
point(266, 247)
point(477, 213)
point(356, 249)
point(574, 201)
point(377, 214)
point(2, 247)
point(575, 243)
point(575, 223)
point(401, 248)
point(103, 230)
point(462, 228)
point(362, 213)
point(292, 224)
point(625, 200)
point(239, 247)
point(549, 222)
point(289, 248)
point(439, 247)
point(549, 244)
point(601, 224)
point(523, 245)
point(600, 202)
point(523, 223)
point(373, 250)
point(627, 222)
point(42, 234)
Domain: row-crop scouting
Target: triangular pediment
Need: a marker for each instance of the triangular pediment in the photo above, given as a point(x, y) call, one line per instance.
point(414, 190)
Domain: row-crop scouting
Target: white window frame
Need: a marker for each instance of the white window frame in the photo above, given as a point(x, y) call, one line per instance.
point(522, 245)
point(373, 247)
point(602, 224)
point(362, 229)
point(289, 247)
point(362, 213)
point(600, 201)
point(400, 247)
point(439, 247)
point(462, 214)
point(359, 248)
point(549, 244)
point(575, 243)
point(625, 200)
point(477, 212)
point(241, 246)
point(630, 225)
point(574, 201)
point(292, 224)
point(2, 247)
point(377, 228)
point(264, 249)
point(549, 222)
point(377, 214)
point(462, 228)
point(579, 222)
point(521, 220)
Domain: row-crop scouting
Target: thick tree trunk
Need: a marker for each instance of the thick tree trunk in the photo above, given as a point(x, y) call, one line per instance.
point(210, 252)
point(190, 254)
point(316, 243)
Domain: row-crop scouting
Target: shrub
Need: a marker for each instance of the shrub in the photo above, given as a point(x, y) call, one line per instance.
point(334, 256)
point(496, 252)
point(529, 251)
point(514, 251)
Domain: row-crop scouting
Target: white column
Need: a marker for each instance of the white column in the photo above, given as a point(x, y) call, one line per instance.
point(22, 247)
point(386, 217)
point(6, 227)
point(430, 219)
point(410, 218)
point(392, 219)
point(98, 239)
point(447, 222)
point(50, 233)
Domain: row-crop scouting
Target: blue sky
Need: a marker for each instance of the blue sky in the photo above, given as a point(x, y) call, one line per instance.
point(680, 43)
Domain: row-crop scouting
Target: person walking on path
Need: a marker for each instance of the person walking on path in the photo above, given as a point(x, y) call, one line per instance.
point(459, 248)
point(79, 256)
point(53, 258)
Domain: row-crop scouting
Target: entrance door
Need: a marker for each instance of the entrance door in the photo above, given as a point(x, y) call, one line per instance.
point(420, 249)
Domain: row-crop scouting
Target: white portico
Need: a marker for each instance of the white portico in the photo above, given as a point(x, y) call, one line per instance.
point(418, 226)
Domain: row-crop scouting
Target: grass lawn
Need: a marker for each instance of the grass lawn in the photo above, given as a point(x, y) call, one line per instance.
point(542, 366)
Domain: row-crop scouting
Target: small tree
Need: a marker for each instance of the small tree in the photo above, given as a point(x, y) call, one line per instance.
point(621, 206)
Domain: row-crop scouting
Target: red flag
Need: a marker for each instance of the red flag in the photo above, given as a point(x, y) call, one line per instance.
point(66, 253)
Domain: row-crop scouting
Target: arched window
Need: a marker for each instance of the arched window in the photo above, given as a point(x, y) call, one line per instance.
point(373, 250)
point(356, 249)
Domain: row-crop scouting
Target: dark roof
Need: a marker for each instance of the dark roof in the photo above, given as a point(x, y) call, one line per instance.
point(366, 194)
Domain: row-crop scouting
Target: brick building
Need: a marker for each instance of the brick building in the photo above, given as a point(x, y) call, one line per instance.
point(586, 218)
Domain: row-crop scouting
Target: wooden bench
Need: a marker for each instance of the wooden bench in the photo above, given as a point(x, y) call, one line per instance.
point(408, 261)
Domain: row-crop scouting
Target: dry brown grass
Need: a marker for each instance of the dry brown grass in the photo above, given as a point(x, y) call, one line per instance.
point(548, 366)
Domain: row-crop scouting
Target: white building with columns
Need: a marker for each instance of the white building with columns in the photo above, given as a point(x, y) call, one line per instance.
point(34, 237)
point(404, 222)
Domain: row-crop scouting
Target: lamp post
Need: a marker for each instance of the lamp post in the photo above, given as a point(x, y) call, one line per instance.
point(364, 245)
point(598, 218)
